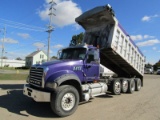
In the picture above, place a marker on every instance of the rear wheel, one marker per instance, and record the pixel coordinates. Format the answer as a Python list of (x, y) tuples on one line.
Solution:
[(116, 87), (131, 86), (65, 100), (138, 84), (124, 85)]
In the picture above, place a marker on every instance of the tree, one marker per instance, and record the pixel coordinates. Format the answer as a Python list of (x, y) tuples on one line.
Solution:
[(156, 65), (54, 57), (18, 58), (76, 39), (4, 57), (148, 65)]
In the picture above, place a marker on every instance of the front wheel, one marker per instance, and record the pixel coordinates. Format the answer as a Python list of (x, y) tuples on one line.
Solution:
[(65, 100)]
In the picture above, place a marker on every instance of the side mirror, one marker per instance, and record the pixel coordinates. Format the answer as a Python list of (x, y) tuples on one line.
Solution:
[(59, 54)]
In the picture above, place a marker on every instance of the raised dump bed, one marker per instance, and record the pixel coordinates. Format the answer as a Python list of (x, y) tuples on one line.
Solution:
[(118, 51)]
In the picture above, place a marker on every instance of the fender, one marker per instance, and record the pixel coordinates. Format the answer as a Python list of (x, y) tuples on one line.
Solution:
[(67, 77), (62, 76), (58, 78)]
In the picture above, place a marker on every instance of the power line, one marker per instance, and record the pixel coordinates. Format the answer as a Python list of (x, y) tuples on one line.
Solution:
[(34, 39), (21, 24), (23, 28)]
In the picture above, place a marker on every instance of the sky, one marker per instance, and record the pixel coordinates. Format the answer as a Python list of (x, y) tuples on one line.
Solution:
[(26, 22)]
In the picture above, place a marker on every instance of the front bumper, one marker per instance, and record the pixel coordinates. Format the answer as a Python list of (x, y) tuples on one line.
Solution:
[(37, 95)]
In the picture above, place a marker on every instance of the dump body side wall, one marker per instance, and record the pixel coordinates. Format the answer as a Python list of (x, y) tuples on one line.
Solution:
[(124, 52)]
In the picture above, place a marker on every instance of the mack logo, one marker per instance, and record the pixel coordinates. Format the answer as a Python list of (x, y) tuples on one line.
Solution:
[(77, 68), (36, 68)]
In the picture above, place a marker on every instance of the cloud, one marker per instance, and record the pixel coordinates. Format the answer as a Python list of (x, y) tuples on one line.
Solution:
[(66, 12), (58, 46), (154, 48), (10, 41), (39, 45), (24, 35), (148, 43), (148, 18), (141, 37), (136, 37), (148, 37)]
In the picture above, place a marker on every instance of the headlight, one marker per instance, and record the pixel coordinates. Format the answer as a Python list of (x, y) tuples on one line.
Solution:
[(45, 71), (27, 80), (51, 85)]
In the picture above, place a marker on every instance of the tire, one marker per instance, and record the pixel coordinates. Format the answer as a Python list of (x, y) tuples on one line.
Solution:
[(65, 100), (131, 86), (124, 85), (116, 87), (138, 84)]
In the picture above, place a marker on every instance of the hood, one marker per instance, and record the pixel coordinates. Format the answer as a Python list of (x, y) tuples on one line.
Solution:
[(59, 63), (59, 67), (96, 17), (52, 62)]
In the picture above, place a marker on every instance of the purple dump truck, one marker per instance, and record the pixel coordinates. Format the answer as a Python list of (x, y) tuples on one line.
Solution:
[(75, 76)]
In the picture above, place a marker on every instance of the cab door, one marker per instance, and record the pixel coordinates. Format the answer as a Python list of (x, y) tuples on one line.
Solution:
[(92, 63)]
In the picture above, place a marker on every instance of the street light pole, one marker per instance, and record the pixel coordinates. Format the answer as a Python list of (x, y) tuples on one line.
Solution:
[(50, 27), (4, 34)]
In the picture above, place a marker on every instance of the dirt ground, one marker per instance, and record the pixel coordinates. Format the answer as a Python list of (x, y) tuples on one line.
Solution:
[(142, 105)]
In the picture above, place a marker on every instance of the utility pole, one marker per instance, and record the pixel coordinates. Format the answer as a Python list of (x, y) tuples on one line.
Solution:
[(4, 34), (50, 27)]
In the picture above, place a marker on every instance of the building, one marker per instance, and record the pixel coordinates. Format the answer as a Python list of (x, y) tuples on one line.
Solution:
[(36, 57), (12, 63)]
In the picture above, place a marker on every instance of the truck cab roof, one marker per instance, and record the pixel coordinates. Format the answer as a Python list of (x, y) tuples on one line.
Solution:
[(81, 46)]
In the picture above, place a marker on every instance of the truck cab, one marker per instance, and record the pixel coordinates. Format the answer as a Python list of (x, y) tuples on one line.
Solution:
[(80, 61), (88, 61)]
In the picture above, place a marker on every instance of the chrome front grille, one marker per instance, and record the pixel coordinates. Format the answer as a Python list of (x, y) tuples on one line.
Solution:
[(36, 76)]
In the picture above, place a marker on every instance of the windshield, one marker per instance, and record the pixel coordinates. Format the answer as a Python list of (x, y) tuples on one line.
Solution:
[(73, 53)]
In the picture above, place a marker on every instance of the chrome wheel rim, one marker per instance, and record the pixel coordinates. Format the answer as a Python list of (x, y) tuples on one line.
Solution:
[(68, 101), (125, 85), (139, 84), (132, 85), (117, 86)]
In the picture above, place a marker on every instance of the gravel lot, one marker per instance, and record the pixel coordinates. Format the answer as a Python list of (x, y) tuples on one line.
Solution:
[(142, 105)]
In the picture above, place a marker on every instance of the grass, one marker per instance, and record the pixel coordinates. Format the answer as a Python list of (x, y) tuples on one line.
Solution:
[(12, 68), (13, 76)]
